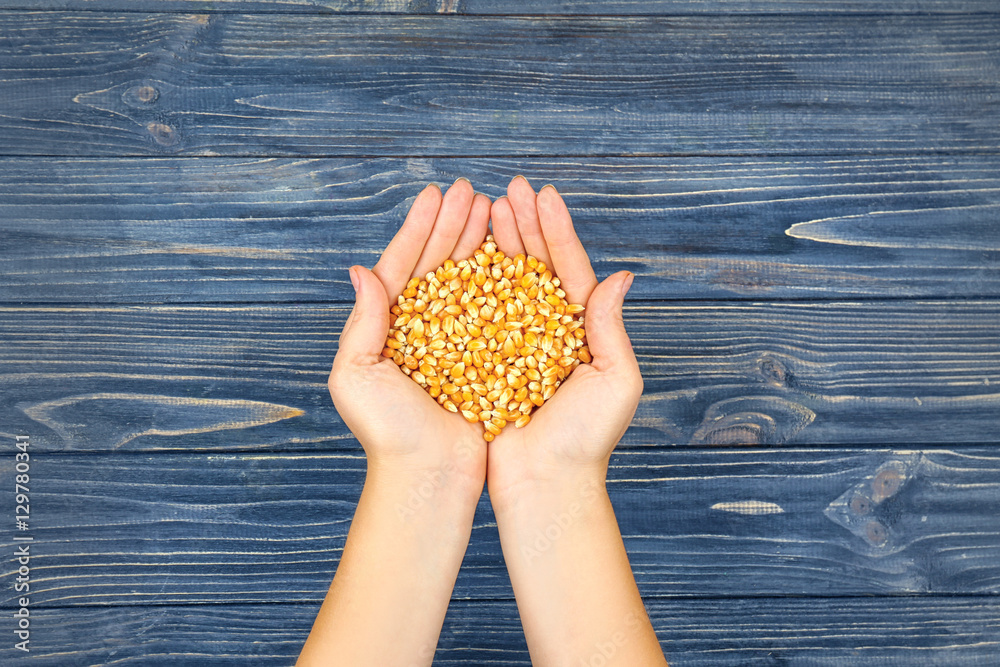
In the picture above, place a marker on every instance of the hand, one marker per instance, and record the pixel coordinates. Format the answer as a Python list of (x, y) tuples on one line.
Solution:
[(403, 430), (426, 466), (575, 431), (561, 542)]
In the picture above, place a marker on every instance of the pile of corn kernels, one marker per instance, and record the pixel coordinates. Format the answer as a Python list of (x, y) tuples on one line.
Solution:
[(491, 336)]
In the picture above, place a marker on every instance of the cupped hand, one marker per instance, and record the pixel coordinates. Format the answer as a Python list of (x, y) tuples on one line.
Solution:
[(575, 431), (402, 429)]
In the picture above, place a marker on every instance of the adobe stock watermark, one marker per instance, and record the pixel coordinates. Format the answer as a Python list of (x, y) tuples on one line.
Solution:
[(605, 650), (544, 538), (421, 493), (22, 554)]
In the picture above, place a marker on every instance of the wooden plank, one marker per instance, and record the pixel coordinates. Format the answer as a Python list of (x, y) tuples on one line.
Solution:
[(113, 529), (79, 84), (176, 229), (254, 378), (516, 7), (844, 632)]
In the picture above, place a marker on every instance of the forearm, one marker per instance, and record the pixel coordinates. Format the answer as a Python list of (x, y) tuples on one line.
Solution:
[(388, 599), (572, 580)]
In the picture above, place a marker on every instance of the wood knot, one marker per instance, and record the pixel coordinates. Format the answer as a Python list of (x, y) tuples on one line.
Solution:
[(741, 428), (861, 505), (147, 94), (752, 420), (866, 510), (774, 371), (140, 96), (163, 134), (876, 533), (886, 483)]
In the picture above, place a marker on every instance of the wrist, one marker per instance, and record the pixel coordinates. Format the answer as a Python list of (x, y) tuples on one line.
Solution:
[(439, 486), (571, 489)]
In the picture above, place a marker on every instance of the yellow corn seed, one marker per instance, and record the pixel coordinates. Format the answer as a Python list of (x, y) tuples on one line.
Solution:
[(505, 396), (491, 336)]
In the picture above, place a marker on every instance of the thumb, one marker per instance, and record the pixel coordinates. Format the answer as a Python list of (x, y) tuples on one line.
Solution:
[(606, 337), (364, 334)]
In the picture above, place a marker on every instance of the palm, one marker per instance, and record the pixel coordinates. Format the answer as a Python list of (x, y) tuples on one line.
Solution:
[(576, 424), (391, 415), (402, 417)]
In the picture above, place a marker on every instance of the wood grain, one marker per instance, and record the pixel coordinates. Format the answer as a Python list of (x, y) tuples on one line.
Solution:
[(210, 230), (891, 632), (254, 378), (516, 7), (142, 529), (88, 84), (827, 428)]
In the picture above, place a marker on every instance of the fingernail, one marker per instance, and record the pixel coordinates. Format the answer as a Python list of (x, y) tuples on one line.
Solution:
[(354, 279), (521, 176), (627, 283), (463, 178), (549, 185)]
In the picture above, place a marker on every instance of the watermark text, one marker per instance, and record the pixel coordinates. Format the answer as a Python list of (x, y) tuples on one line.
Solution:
[(22, 542)]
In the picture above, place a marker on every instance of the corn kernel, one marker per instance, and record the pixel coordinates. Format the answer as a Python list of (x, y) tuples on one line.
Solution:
[(490, 337)]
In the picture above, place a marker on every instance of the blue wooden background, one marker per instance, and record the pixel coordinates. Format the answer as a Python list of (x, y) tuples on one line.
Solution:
[(807, 191)]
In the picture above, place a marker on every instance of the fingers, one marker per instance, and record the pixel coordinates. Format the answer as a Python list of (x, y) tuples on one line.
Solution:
[(609, 344), (363, 337), (540, 225), (475, 229), (569, 260), (505, 228), (448, 227), (523, 202), (400, 257)]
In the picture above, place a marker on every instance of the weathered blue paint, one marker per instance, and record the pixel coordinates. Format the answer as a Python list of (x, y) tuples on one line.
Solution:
[(285, 84), (806, 190)]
